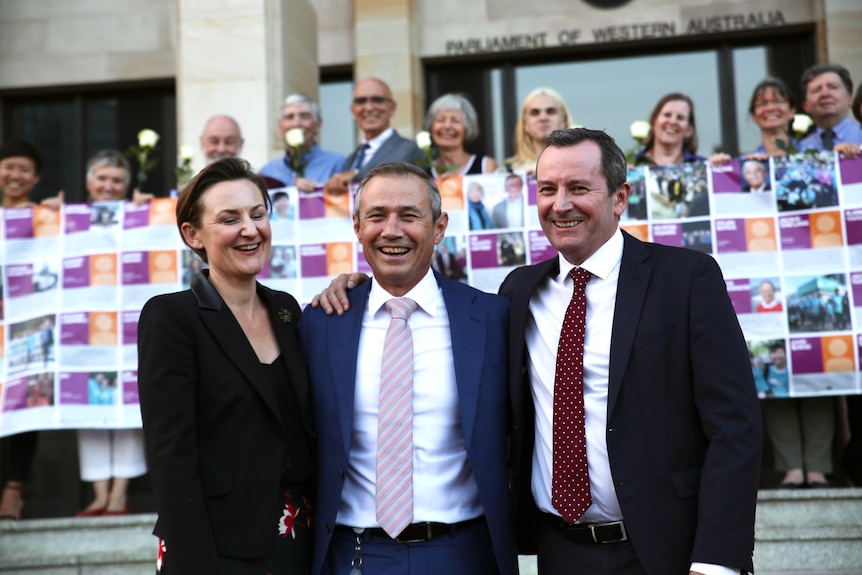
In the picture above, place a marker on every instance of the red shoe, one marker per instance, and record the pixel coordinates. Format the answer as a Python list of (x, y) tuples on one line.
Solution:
[(123, 511), (90, 512)]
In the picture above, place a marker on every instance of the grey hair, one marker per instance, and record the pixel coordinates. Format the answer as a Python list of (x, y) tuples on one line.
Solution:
[(403, 170), (297, 98), (449, 102), (111, 158)]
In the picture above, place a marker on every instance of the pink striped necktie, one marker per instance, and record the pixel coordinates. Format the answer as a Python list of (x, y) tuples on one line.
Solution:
[(570, 483), (395, 422)]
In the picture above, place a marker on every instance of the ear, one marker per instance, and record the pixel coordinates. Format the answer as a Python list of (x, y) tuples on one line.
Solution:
[(356, 226), (440, 227), (621, 199), (191, 236)]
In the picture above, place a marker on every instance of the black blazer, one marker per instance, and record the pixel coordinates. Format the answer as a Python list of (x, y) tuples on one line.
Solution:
[(684, 427), (212, 426), (394, 149)]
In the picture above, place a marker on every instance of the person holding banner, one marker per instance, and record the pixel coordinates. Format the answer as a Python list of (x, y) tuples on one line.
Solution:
[(224, 394), (452, 120), (542, 112), (828, 93), (672, 138)]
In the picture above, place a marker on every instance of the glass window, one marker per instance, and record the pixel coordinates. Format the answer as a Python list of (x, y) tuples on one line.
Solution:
[(338, 133)]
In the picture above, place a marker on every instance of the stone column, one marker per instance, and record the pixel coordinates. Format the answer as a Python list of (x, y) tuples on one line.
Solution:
[(240, 58), (387, 47)]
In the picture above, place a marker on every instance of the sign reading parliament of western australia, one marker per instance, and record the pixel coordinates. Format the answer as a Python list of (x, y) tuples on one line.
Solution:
[(614, 33)]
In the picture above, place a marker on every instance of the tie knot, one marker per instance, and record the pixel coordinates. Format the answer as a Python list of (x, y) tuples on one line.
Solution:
[(828, 138), (580, 276), (400, 307)]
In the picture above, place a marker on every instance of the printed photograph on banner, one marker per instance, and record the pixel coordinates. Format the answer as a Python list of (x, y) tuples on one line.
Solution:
[(759, 305), (31, 344), (805, 182), (817, 303), (283, 216), (678, 191), (769, 367), (152, 224), (637, 206), (493, 255), (192, 266), (696, 235), (640, 231), (30, 233), (88, 338), (450, 258), (31, 287), (324, 216), (107, 214), (745, 235), (319, 263), (88, 388), (29, 391), (850, 176), (497, 202), (452, 196), (816, 230), (742, 186), (822, 365)]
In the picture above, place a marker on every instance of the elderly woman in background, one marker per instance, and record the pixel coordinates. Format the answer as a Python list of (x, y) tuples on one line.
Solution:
[(672, 137), (109, 457), (452, 121), (542, 112), (224, 394)]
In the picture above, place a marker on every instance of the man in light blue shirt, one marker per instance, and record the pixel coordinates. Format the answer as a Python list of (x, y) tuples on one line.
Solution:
[(828, 93), (301, 111)]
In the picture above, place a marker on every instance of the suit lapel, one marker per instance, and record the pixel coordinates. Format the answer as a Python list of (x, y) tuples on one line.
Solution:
[(467, 328), (342, 337), (382, 154), (635, 272)]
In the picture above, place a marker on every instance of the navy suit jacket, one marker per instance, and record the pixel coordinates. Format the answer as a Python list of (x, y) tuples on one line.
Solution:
[(478, 325), (394, 149), (212, 424), (684, 425)]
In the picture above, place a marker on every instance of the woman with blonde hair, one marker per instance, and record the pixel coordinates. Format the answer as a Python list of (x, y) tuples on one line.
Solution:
[(542, 112)]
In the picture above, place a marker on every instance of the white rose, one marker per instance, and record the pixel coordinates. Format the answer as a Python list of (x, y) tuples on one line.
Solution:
[(639, 130), (187, 153), (294, 137), (423, 140), (147, 139), (802, 123)]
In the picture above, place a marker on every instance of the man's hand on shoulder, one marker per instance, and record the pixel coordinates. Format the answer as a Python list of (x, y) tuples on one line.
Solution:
[(334, 298)]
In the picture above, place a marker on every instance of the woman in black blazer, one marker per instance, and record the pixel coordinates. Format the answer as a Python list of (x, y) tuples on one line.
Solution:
[(224, 395)]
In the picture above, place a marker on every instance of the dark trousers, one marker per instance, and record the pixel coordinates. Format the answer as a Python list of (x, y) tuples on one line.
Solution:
[(560, 556), (466, 552)]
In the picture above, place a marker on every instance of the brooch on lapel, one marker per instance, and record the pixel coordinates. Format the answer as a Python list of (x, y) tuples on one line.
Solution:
[(285, 316)]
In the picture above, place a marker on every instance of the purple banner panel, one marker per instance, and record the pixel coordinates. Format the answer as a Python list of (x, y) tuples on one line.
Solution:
[(77, 218), (130, 327), (362, 264), (540, 248), (75, 328), (312, 205), (856, 286), (73, 388), (806, 355), (312, 260), (130, 387), (16, 394), (136, 268), (851, 170), (795, 232), (18, 223), (136, 216), (740, 295), (483, 251), (730, 236), (76, 272), (726, 178), (853, 223), (532, 190), (19, 279), (667, 234)]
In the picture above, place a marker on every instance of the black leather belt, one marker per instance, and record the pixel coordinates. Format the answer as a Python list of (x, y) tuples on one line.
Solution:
[(419, 532), (611, 532)]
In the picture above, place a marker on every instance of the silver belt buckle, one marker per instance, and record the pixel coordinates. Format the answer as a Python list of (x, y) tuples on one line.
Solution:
[(420, 540), (623, 535)]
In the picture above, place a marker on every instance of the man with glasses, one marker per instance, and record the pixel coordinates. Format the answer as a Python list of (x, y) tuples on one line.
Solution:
[(372, 108)]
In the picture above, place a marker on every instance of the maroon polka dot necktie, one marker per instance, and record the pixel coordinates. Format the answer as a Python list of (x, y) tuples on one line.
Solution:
[(570, 486)]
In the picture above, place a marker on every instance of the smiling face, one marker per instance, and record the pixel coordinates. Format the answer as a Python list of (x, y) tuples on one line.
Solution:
[(767, 292), (779, 357), (672, 125), (221, 139), (772, 111), (396, 228), (372, 107), (18, 176), (827, 100), (299, 115), (576, 212), (234, 231), (447, 129), (542, 115), (107, 184), (754, 174)]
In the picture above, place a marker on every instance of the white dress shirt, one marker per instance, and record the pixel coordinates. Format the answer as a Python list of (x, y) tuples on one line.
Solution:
[(444, 489), (547, 310)]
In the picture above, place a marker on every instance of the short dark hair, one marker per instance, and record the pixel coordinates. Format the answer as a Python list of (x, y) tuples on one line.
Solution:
[(20, 148), (515, 177), (776, 346), (614, 167), (819, 69), (189, 206), (690, 143), (775, 84), (278, 195), (403, 170)]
